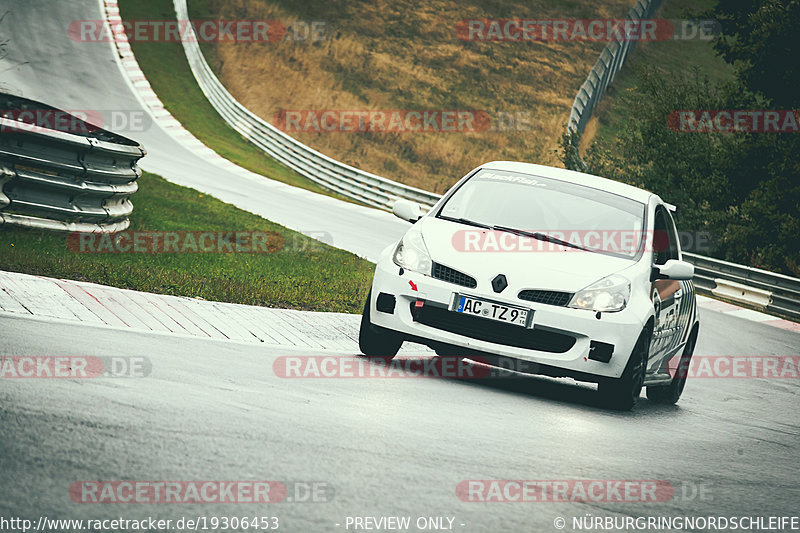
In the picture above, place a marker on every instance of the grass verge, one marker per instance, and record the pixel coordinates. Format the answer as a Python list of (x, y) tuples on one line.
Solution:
[(304, 274), (408, 56), (167, 70)]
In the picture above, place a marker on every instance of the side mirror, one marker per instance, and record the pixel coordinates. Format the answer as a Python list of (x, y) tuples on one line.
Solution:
[(407, 210), (673, 269)]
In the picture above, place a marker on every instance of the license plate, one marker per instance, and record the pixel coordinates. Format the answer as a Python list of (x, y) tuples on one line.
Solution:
[(492, 310)]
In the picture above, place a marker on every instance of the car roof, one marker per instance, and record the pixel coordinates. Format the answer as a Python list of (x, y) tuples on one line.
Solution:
[(595, 182)]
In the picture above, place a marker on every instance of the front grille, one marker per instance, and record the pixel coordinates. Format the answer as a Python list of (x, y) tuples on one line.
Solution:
[(546, 297), (452, 275), (491, 331)]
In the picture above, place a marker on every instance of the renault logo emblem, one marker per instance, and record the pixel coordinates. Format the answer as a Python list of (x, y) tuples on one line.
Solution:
[(499, 283)]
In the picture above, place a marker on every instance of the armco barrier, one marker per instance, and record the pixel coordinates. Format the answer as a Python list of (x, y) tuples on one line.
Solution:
[(731, 290), (760, 289), (63, 180), (335, 176), (605, 70)]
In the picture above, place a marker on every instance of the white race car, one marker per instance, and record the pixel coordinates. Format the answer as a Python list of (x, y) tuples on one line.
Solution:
[(571, 274)]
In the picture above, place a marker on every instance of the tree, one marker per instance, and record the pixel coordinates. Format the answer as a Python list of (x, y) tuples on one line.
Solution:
[(760, 38), (743, 188)]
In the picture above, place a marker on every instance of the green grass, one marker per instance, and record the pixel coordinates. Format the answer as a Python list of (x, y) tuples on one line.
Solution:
[(672, 58), (304, 274), (166, 68)]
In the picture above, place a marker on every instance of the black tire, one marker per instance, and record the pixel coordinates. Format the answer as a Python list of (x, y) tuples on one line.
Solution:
[(670, 394), (622, 393), (375, 341)]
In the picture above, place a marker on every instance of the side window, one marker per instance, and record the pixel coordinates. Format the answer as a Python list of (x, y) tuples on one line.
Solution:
[(673, 237), (665, 239)]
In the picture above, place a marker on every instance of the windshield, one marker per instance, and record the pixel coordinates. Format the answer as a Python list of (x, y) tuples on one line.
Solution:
[(588, 219)]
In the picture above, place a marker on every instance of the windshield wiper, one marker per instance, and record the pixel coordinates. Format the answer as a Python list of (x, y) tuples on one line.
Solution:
[(467, 221), (539, 236)]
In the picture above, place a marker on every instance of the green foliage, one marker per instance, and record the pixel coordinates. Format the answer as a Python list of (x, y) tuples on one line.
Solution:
[(760, 38), (743, 188)]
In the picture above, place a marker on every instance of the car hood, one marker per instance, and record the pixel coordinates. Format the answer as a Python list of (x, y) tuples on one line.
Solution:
[(562, 269)]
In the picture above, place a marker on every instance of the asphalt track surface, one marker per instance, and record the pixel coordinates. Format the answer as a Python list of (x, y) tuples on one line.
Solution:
[(216, 410)]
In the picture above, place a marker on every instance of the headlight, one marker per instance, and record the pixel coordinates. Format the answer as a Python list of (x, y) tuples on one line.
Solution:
[(608, 294), (412, 254)]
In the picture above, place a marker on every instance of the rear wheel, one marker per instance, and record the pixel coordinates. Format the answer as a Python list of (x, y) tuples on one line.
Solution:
[(375, 341), (670, 394), (622, 393)]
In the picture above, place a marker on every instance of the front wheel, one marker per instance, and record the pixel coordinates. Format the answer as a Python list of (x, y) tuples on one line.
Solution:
[(375, 341), (670, 394), (622, 393)]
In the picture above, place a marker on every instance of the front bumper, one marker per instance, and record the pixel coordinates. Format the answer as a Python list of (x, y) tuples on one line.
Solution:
[(551, 342)]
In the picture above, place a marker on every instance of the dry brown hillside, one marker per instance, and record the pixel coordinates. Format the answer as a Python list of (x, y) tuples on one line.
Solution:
[(406, 55)]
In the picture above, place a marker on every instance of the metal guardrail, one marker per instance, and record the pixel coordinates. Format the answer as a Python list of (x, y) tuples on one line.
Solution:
[(331, 174), (605, 70), (62, 180), (760, 289)]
